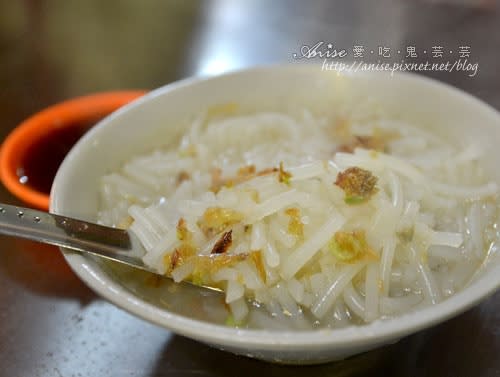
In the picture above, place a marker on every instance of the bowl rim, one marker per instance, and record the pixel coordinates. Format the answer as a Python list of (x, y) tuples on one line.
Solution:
[(42, 123), (375, 332)]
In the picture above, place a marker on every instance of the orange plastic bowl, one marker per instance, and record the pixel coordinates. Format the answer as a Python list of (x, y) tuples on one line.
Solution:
[(52, 121)]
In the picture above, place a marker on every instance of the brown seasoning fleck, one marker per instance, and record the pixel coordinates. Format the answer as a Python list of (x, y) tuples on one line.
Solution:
[(358, 184), (223, 244)]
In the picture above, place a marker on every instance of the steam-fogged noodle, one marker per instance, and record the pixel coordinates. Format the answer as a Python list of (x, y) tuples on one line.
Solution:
[(309, 220)]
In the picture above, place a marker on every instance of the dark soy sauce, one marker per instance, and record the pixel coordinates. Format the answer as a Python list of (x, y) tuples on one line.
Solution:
[(41, 161)]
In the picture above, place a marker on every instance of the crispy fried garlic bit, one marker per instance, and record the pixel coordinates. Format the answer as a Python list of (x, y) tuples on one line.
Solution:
[(204, 266), (351, 247), (295, 225), (178, 257), (223, 243), (188, 151), (283, 175), (182, 176), (358, 185), (185, 250), (378, 141), (244, 174), (183, 234), (217, 219), (207, 265)]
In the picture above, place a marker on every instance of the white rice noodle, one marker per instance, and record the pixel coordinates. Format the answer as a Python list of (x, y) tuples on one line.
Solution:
[(249, 276), (408, 144), (446, 239), (164, 245), (194, 208), (399, 305), (386, 261), (148, 231), (447, 253), (409, 216), (143, 177), (431, 158), (281, 235), (341, 314), (288, 304), (410, 130), (226, 273), (471, 152), (354, 301), (396, 192), (427, 282), (183, 271), (431, 237), (307, 300), (384, 223), (475, 229), (258, 237), (333, 291), (296, 289), (306, 171), (193, 136), (127, 189), (274, 204), (271, 255), (234, 291), (311, 246), (372, 288), (460, 192), (463, 273), (239, 309)]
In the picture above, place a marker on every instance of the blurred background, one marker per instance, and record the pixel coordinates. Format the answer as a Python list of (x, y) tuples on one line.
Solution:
[(52, 50)]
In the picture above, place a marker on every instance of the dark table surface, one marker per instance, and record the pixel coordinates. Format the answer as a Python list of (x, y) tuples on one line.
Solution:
[(51, 324)]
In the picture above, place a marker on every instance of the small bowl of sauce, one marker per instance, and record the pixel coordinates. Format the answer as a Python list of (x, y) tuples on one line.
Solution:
[(32, 153)]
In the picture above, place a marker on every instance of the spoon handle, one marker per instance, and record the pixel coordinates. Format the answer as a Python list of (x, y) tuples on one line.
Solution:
[(70, 233)]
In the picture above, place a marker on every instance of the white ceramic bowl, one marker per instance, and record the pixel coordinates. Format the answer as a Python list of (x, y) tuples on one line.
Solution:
[(154, 120)]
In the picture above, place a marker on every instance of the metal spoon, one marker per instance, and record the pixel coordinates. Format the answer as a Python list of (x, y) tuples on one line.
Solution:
[(115, 244)]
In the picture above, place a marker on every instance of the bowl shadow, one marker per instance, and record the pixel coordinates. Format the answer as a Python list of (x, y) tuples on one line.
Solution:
[(185, 357)]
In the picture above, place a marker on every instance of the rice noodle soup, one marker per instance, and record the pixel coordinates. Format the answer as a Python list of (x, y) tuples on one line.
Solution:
[(308, 220)]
